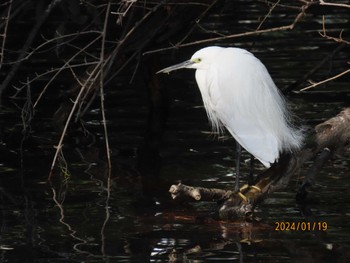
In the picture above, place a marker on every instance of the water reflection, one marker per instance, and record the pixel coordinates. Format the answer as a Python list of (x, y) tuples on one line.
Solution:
[(93, 216), (87, 219), (88, 215)]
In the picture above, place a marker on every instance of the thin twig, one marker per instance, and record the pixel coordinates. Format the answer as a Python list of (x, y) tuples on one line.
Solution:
[(75, 76), (55, 39), (256, 32), (7, 18), (336, 39), (198, 21), (77, 100), (269, 3), (123, 9), (326, 80), (268, 14), (111, 58), (334, 4), (27, 115), (307, 76), (176, 46), (17, 8), (102, 55), (48, 72), (64, 66), (27, 44)]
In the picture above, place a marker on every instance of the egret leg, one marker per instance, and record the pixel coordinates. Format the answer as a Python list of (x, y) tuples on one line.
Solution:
[(310, 177), (250, 178), (238, 159), (250, 175)]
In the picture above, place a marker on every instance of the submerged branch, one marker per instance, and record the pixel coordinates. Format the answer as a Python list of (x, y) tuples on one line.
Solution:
[(331, 137)]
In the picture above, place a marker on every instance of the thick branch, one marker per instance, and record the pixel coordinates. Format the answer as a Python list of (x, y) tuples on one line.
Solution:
[(331, 137), (198, 193)]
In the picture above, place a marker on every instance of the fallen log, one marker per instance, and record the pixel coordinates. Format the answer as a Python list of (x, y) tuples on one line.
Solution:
[(328, 139)]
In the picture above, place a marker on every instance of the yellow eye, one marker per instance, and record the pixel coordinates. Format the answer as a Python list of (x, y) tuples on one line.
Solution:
[(197, 60)]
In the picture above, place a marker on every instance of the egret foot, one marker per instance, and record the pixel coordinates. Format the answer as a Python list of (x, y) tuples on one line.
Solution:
[(244, 198), (244, 187)]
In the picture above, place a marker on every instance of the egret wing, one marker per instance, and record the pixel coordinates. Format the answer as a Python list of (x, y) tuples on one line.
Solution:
[(239, 96)]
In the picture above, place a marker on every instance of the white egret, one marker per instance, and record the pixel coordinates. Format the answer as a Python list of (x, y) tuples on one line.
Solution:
[(238, 93)]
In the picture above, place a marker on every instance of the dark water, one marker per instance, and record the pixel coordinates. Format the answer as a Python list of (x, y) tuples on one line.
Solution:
[(84, 217), (87, 215)]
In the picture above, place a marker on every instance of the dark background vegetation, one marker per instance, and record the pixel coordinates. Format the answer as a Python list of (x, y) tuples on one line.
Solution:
[(79, 95), (58, 57)]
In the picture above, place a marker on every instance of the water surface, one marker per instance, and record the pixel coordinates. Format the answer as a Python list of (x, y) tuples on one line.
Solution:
[(85, 214)]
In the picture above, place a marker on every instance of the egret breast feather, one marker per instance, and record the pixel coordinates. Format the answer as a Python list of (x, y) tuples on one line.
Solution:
[(238, 93)]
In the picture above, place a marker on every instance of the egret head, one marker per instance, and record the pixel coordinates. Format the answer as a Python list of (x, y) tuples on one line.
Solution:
[(200, 60)]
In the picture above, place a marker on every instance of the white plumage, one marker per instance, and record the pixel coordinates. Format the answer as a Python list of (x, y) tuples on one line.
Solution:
[(239, 94)]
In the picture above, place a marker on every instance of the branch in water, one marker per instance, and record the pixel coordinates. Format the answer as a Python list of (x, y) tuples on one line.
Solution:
[(331, 137)]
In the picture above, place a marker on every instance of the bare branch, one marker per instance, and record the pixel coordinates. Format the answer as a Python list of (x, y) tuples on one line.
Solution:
[(27, 44), (123, 9), (256, 32), (102, 56), (331, 137), (48, 41), (198, 21), (7, 19), (326, 80), (336, 39), (334, 4), (268, 14), (307, 76), (61, 69), (77, 99), (51, 71), (198, 193)]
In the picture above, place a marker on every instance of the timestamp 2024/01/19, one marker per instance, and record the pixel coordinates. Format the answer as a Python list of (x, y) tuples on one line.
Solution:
[(300, 226)]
